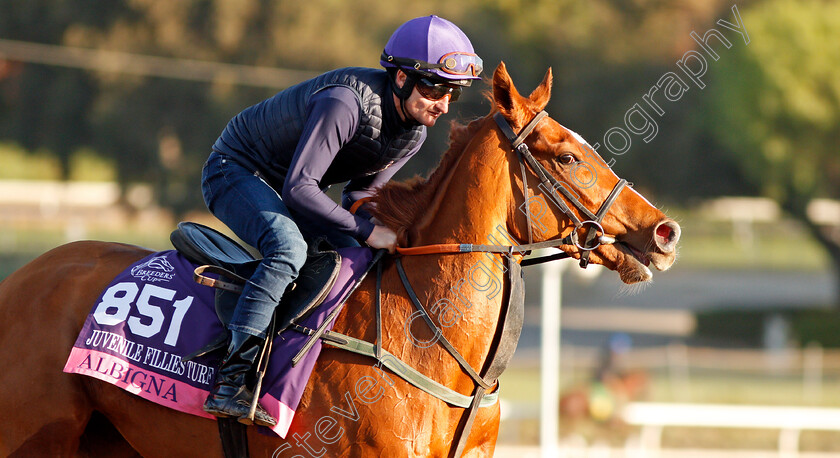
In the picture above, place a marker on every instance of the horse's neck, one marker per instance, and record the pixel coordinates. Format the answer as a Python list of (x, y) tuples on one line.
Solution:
[(471, 203), (470, 200)]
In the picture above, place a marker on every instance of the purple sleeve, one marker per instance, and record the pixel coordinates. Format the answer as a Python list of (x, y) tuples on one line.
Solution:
[(332, 117), (365, 186)]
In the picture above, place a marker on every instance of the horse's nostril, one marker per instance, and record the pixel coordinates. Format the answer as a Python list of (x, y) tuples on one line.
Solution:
[(665, 232), (667, 235)]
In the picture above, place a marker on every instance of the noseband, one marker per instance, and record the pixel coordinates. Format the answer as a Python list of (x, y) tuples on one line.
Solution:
[(551, 185)]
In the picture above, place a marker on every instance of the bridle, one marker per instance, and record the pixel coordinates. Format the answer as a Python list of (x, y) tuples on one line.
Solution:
[(551, 185), (595, 235)]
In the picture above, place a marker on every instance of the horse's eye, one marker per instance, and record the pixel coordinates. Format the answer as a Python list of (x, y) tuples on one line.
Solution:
[(566, 159)]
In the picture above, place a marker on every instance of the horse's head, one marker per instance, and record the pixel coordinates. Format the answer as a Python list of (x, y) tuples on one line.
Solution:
[(576, 177)]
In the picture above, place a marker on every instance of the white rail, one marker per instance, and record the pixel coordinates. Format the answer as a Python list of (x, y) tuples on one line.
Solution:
[(790, 421)]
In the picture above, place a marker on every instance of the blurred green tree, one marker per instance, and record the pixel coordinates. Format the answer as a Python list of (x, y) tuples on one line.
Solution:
[(777, 107)]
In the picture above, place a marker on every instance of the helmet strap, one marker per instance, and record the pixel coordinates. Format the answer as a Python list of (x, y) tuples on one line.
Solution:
[(403, 93)]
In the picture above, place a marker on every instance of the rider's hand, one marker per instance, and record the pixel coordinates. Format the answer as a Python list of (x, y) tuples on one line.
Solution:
[(382, 237)]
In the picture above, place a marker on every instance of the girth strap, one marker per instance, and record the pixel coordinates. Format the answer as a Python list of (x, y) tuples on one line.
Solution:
[(234, 438)]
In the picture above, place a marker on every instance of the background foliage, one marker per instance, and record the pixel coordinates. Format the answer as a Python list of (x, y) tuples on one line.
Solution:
[(777, 110)]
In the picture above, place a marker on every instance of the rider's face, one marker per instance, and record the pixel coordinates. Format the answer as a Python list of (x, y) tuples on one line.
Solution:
[(423, 110)]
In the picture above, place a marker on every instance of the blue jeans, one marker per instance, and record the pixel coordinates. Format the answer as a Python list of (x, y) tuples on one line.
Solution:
[(257, 215)]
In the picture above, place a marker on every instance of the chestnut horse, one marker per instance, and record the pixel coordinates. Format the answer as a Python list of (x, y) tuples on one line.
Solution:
[(351, 406)]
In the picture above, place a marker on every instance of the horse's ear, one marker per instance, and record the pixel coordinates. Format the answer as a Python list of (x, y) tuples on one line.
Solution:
[(507, 98), (542, 93)]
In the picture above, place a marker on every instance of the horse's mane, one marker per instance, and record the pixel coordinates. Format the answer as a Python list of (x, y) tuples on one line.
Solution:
[(399, 204)]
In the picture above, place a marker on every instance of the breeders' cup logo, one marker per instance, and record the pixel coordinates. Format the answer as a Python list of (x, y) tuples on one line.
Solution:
[(154, 270)]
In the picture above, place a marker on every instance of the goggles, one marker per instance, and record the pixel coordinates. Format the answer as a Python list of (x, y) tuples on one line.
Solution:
[(437, 91), (461, 63), (454, 63)]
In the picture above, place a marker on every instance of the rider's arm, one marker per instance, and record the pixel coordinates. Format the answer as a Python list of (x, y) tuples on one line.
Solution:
[(365, 186), (332, 118)]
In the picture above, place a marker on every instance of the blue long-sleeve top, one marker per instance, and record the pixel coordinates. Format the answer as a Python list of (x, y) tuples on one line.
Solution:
[(342, 126), (332, 117)]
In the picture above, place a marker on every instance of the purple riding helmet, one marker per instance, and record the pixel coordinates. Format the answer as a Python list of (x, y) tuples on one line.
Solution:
[(431, 50)]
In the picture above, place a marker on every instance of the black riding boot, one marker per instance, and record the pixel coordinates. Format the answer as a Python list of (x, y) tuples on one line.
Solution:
[(231, 396)]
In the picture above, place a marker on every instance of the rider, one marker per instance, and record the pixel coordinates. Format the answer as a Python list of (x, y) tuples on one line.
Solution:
[(269, 169)]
